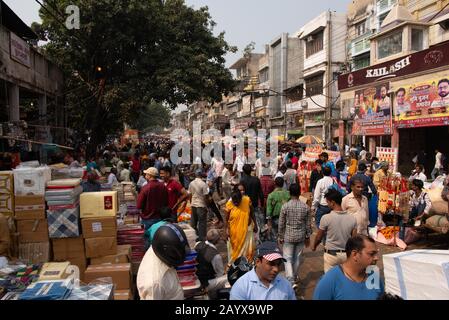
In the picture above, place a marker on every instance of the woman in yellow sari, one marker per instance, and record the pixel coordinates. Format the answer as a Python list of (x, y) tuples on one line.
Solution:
[(353, 165), (240, 225)]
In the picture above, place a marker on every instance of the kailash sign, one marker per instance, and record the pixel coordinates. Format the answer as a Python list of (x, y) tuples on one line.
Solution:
[(20, 50), (432, 58)]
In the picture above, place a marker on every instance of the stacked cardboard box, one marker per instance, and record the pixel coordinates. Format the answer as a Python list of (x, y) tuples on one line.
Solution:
[(7, 193), (71, 250), (100, 234), (119, 273), (29, 213), (132, 234), (32, 228), (62, 198)]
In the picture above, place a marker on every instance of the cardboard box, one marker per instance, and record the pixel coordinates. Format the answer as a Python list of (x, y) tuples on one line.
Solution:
[(120, 274), (54, 271), (6, 182), (34, 253), (100, 247), (29, 207), (98, 204), (417, 274), (99, 227), (32, 231), (31, 180), (66, 248), (123, 256), (123, 295), (7, 204)]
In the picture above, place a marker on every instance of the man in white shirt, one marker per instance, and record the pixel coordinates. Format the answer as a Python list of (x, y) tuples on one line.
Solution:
[(239, 162), (418, 173), (157, 278), (356, 204), (112, 178), (217, 164), (226, 182), (125, 174), (319, 204), (438, 164), (281, 173), (198, 190)]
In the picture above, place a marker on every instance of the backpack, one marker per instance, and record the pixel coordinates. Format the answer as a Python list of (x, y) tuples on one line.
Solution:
[(336, 186)]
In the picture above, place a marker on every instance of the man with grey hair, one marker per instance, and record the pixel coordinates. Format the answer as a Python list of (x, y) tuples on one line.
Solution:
[(210, 270)]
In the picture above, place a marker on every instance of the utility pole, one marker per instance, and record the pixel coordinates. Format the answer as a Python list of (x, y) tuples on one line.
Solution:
[(328, 90)]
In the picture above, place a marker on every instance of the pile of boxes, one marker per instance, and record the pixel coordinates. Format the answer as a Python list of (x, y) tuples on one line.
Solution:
[(7, 193), (107, 259), (63, 215), (29, 213), (57, 222)]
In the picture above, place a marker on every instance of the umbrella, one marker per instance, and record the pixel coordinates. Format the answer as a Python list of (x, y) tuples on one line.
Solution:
[(309, 140)]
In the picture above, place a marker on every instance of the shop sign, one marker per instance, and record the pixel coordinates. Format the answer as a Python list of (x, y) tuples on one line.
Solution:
[(20, 50), (432, 58), (294, 106), (372, 112), (423, 104)]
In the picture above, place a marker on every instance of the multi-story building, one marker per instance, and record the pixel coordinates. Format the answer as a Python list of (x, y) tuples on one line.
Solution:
[(247, 74), (401, 99), (324, 57), (32, 86), (285, 80)]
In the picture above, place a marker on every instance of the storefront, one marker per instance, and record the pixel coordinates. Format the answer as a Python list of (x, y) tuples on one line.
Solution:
[(295, 125), (403, 103)]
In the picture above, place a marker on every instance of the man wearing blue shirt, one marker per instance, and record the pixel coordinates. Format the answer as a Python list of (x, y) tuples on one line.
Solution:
[(324, 156), (264, 281), (351, 280)]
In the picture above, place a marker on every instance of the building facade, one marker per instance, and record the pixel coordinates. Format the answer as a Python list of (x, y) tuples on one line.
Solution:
[(403, 96), (324, 41), (32, 86)]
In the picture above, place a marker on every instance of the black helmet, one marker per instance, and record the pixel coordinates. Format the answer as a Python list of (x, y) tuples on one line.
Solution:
[(170, 244), (238, 269)]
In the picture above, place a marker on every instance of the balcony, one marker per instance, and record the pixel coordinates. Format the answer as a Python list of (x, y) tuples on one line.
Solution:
[(361, 45)]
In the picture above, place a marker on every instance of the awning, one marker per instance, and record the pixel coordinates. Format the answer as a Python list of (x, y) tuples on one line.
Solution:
[(295, 132), (313, 28)]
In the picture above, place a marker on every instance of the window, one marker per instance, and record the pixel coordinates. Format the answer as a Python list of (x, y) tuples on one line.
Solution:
[(361, 63), (389, 45), (417, 39), (360, 28), (382, 18), (264, 75), (314, 85), (314, 43)]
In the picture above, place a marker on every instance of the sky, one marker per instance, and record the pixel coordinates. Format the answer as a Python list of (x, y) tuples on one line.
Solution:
[(243, 21)]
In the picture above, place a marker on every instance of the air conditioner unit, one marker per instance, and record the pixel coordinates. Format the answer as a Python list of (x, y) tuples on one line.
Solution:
[(304, 104), (310, 38)]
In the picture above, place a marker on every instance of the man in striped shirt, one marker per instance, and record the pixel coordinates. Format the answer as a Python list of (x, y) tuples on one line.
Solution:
[(294, 232)]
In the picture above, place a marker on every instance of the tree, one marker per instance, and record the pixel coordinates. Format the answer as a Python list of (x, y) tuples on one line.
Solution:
[(154, 117), (148, 51)]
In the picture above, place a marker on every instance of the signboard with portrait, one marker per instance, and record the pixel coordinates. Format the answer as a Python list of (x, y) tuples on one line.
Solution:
[(423, 104), (372, 112)]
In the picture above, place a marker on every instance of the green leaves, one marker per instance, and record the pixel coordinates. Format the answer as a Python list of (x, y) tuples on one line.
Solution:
[(153, 53)]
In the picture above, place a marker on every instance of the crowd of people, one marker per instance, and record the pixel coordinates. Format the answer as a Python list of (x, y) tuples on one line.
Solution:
[(258, 210)]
